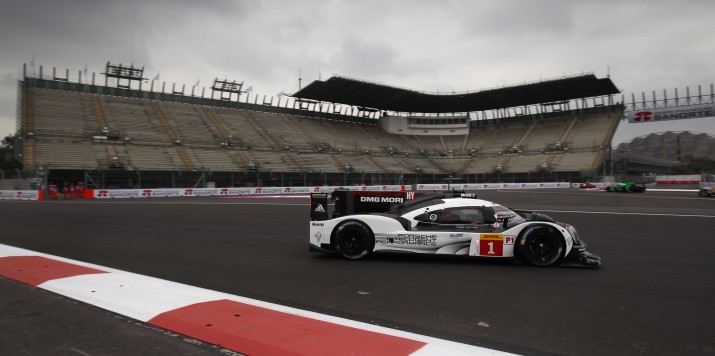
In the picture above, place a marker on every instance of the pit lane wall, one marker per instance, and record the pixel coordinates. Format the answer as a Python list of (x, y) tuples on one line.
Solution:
[(264, 191)]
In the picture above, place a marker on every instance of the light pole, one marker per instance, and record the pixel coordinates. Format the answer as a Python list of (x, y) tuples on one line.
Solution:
[(346, 172)]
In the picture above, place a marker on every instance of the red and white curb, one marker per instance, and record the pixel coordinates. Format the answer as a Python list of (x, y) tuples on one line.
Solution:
[(240, 324)]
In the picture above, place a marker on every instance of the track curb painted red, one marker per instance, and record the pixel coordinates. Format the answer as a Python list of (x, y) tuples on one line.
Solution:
[(236, 323)]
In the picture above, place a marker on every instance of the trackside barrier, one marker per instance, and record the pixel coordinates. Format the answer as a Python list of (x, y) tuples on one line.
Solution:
[(486, 186), (208, 192), (679, 179), (21, 194)]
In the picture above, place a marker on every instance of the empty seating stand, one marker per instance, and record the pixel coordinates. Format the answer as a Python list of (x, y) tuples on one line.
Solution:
[(167, 136)]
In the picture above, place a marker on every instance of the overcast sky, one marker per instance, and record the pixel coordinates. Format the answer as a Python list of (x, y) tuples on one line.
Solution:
[(424, 45)]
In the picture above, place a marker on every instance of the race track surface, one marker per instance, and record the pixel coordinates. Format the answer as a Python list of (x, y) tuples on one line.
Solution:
[(653, 296)]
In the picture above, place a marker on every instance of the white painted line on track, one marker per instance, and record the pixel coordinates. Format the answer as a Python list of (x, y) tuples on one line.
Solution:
[(623, 213)]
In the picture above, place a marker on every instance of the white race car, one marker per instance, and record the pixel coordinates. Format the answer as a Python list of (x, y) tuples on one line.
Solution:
[(450, 223)]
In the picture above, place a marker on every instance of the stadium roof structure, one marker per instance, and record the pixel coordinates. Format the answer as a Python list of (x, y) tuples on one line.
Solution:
[(382, 97)]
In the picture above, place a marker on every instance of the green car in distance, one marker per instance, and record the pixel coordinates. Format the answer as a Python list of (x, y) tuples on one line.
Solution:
[(627, 187)]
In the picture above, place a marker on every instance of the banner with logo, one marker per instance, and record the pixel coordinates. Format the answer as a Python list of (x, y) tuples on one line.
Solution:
[(20, 194), (209, 192), (267, 191), (485, 186), (673, 113)]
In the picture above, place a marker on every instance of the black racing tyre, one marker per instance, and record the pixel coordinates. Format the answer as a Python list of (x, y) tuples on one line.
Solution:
[(609, 189), (704, 193), (353, 240), (540, 245)]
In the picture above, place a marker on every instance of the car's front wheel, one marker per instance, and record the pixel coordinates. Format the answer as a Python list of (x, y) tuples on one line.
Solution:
[(540, 245), (353, 240), (704, 192)]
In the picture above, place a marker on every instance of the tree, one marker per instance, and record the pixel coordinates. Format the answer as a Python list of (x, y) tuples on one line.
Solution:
[(6, 153), (8, 142)]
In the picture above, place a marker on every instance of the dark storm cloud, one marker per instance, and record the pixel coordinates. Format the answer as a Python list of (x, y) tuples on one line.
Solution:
[(7, 80), (108, 29), (448, 45), (371, 59), (516, 18), (82, 20)]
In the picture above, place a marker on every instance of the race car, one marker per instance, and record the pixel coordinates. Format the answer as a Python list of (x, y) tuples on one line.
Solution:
[(628, 187), (451, 223), (707, 191)]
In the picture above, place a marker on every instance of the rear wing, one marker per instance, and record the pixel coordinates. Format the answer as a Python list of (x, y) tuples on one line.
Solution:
[(318, 206), (350, 202)]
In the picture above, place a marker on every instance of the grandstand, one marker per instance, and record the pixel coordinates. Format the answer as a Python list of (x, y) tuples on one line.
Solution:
[(123, 137)]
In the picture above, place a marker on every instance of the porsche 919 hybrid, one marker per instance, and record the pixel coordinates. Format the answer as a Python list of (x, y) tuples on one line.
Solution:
[(363, 223)]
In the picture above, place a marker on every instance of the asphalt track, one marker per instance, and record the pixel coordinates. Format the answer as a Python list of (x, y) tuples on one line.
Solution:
[(654, 294)]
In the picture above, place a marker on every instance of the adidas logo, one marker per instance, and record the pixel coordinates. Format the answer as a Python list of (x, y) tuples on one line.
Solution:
[(320, 209)]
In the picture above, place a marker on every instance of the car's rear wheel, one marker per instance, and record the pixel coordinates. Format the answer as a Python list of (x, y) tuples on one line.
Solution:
[(704, 193), (540, 245), (353, 240)]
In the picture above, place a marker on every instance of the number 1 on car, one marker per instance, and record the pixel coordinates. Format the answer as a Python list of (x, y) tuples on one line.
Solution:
[(491, 245)]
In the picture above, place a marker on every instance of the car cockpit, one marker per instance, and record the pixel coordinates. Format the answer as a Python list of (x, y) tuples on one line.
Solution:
[(458, 218)]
